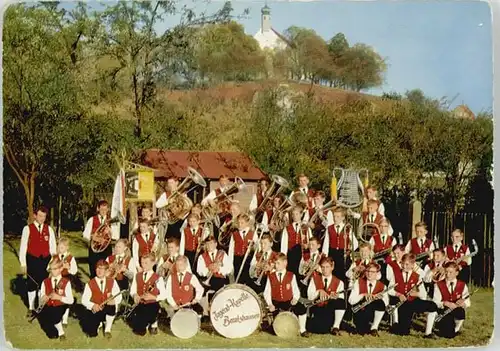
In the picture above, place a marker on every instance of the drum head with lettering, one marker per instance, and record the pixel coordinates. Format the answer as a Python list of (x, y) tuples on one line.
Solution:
[(185, 323), (235, 311)]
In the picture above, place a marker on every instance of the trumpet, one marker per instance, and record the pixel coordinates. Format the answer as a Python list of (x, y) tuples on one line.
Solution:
[(359, 272), (262, 263), (359, 307), (320, 212), (165, 272), (392, 309), (210, 274), (210, 212), (310, 269)]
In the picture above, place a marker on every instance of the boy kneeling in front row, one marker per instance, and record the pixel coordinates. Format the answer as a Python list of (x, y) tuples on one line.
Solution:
[(282, 293)]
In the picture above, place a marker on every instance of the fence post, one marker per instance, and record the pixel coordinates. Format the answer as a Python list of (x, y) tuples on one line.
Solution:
[(416, 215)]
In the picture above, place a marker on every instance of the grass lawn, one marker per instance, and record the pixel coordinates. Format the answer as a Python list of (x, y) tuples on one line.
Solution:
[(477, 329)]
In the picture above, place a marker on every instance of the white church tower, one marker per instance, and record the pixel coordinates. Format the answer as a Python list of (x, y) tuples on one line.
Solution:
[(267, 37)]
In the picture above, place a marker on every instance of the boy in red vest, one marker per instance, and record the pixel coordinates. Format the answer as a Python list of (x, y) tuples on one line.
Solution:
[(413, 295), (383, 242), (192, 237), (57, 296), (173, 229), (166, 265), (257, 199), (369, 289), (147, 290), (69, 266), (215, 264), (339, 242), (262, 262), (196, 209), (183, 288), (456, 251), (282, 293), (143, 243), (147, 214), (241, 239), (371, 194), (38, 244), (294, 240), (421, 244), (96, 292), (311, 258), (359, 266), (327, 315), (324, 218), (224, 184), (437, 263), (304, 189), (271, 227), (451, 293), (123, 260)]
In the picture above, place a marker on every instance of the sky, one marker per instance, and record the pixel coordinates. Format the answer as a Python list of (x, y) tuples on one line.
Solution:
[(443, 48)]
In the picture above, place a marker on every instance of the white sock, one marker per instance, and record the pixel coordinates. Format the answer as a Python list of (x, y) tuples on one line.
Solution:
[(154, 324), (109, 323), (59, 328), (65, 316), (395, 316), (100, 326), (302, 323), (31, 299), (431, 317), (458, 325), (339, 314), (204, 304), (377, 319)]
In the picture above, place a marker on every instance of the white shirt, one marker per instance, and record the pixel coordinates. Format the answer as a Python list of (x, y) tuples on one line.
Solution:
[(266, 255), (253, 203), (211, 195), (267, 289), (303, 264), (160, 285), (73, 268), (350, 271), (161, 261), (438, 297), (422, 294), (135, 247), (68, 299), (313, 292), (182, 245), (162, 201), (428, 274), (225, 269), (355, 296), (243, 233), (325, 248), (87, 293), (131, 264), (284, 236), (383, 238), (23, 250), (419, 242), (87, 232), (194, 282)]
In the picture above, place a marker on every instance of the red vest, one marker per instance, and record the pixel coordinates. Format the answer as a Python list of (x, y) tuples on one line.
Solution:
[(126, 262), (144, 287), (367, 218), (269, 213), (145, 247), (97, 296), (67, 259), (306, 255), (445, 293), (260, 198), (184, 292), (320, 285), (337, 240), (283, 291), (95, 223), (310, 196), (363, 287), (395, 266), (166, 257), (359, 261), (38, 243), (379, 245), (415, 246), (61, 290), (452, 255), (240, 244), (191, 241), (432, 264), (219, 257), (403, 288), (293, 236)]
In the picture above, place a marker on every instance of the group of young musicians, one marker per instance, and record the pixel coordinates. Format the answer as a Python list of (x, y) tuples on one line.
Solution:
[(303, 260)]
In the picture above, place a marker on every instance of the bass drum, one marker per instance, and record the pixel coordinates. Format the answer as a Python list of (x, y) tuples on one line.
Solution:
[(286, 325), (236, 311), (185, 323)]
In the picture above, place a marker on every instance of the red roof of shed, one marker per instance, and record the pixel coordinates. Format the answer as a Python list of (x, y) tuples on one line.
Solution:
[(209, 164)]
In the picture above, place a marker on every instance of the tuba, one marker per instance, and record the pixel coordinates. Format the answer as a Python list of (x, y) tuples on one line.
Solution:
[(210, 212), (179, 204), (367, 230), (277, 186), (279, 216), (101, 238)]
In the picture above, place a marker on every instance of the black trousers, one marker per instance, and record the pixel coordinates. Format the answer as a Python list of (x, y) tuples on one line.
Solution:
[(190, 256), (174, 230), (322, 317), (446, 325), (245, 272), (464, 274), (143, 315), (364, 317), (408, 309), (258, 288), (383, 273), (339, 270), (215, 284), (36, 267), (95, 257), (277, 241), (294, 255), (298, 309), (49, 317), (92, 320)]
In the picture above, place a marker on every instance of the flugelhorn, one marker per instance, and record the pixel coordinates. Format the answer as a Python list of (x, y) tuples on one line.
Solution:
[(310, 269), (210, 274)]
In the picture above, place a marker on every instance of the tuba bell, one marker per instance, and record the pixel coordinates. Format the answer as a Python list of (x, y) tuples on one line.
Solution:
[(101, 238), (367, 230), (277, 186), (179, 204), (209, 212)]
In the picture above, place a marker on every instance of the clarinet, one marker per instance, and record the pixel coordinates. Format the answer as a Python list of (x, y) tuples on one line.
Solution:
[(367, 302), (148, 290), (42, 305), (448, 310), (109, 299), (392, 309)]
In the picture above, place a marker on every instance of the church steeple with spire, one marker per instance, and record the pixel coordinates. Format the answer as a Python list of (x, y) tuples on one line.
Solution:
[(267, 36), (265, 24)]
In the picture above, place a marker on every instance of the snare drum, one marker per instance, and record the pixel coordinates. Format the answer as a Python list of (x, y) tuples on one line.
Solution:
[(236, 311), (286, 325), (185, 323)]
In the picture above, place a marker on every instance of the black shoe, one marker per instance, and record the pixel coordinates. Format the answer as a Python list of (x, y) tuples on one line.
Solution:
[(335, 331), (430, 336), (374, 332), (30, 314), (62, 337), (107, 335), (140, 332), (305, 334), (153, 331)]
